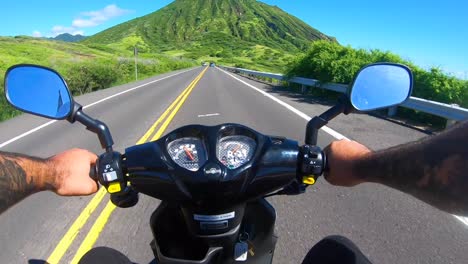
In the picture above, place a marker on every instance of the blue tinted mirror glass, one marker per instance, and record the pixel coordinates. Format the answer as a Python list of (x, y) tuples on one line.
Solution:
[(381, 85), (39, 91)]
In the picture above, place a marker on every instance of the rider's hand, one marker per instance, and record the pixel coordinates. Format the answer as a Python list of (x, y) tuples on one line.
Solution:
[(341, 156), (71, 173)]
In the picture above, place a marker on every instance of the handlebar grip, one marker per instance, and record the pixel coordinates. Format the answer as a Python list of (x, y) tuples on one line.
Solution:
[(93, 172), (325, 164), (314, 162)]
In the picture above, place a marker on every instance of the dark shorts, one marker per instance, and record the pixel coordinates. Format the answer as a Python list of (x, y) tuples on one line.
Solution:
[(330, 250)]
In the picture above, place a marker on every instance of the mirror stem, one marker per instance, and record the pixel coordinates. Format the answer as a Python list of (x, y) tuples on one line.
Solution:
[(93, 125), (312, 130), (343, 106)]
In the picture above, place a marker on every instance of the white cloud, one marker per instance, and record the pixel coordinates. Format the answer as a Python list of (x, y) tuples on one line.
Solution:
[(95, 18), (81, 23), (57, 30), (37, 34), (89, 19)]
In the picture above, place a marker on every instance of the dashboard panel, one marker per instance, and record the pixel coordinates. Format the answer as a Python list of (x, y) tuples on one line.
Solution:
[(209, 164)]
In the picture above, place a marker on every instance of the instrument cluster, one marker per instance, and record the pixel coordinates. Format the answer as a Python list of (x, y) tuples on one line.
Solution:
[(232, 151)]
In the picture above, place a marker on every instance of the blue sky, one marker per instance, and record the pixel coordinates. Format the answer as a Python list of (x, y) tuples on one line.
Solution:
[(429, 33)]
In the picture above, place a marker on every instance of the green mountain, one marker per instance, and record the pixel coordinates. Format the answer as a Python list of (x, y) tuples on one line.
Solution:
[(245, 32), (69, 37)]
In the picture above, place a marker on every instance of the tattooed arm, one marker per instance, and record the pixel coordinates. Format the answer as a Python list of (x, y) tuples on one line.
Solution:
[(65, 174), (434, 169)]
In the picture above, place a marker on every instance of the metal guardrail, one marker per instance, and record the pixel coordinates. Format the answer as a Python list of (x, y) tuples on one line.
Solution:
[(450, 112)]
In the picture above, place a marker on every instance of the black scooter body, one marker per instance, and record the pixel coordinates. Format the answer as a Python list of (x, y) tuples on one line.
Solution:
[(218, 205), (174, 243)]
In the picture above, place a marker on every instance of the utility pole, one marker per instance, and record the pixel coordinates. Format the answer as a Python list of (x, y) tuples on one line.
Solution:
[(135, 52)]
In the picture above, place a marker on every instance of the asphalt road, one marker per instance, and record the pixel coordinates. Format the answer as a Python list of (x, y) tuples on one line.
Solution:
[(389, 226)]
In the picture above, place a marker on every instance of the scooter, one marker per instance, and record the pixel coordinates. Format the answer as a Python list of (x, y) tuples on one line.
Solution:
[(212, 180)]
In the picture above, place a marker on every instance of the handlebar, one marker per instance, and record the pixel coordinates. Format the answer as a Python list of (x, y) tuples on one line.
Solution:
[(276, 163)]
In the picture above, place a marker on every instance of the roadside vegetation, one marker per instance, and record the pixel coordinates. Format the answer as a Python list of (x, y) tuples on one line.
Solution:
[(248, 33), (85, 68), (330, 62), (88, 67)]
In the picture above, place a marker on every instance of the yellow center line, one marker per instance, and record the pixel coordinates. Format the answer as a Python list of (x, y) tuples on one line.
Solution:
[(75, 228), (101, 221), (81, 220), (150, 131), (169, 119)]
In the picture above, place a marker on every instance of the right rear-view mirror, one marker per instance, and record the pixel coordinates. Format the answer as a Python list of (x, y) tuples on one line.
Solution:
[(381, 85)]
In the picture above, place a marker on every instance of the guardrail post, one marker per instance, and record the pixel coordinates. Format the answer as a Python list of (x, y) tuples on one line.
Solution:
[(303, 89), (392, 111), (451, 122)]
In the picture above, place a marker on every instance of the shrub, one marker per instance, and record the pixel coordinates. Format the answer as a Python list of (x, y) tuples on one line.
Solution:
[(90, 76), (331, 62)]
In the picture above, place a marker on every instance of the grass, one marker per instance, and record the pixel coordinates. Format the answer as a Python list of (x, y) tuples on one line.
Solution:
[(86, 68)]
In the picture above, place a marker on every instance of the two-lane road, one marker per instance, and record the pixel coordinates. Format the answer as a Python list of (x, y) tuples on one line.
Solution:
[(390, 227)]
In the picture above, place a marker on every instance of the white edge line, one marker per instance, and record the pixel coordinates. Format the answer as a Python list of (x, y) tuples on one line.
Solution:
[(288, 106), (27, 133), (84, 107), (134, 88), (462, 219), (307, 118)]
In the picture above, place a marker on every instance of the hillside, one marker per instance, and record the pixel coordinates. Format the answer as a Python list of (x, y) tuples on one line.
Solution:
[(85, 68), (233, 31)]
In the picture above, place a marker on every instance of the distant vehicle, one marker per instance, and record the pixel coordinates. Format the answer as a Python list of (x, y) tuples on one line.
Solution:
[(212, 64)]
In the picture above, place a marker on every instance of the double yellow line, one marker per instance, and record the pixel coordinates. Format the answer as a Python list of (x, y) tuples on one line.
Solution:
[(102, 219)]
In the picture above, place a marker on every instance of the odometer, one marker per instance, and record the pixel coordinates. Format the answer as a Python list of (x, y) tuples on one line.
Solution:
[(235, 151)]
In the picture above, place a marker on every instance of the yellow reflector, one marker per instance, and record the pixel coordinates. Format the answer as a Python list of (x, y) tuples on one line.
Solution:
[(309, 180), (114, 187)]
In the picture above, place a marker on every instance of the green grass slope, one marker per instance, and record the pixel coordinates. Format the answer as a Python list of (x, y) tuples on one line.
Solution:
[(85, 68), (239, 32)]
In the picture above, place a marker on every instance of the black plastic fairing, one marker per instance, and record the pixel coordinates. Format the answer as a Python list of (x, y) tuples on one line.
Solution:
[(276, 168), (175, 243), (153, 172)]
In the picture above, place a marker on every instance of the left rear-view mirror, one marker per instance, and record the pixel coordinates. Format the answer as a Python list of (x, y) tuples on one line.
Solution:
[(39, 91)]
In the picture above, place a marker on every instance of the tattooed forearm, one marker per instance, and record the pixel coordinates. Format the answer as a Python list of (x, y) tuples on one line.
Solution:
[(20, 176), (434, 169)]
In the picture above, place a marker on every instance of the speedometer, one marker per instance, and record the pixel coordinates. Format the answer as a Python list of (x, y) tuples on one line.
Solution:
[(188, 153), (235, 151)]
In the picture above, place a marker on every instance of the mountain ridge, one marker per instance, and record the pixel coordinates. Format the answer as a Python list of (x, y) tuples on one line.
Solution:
[(240, 30), (67, 37)]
